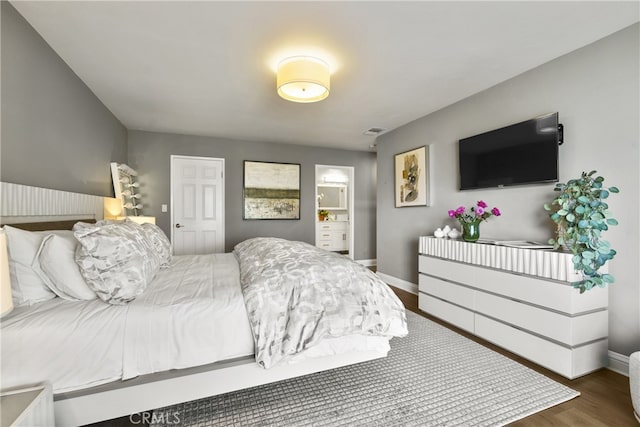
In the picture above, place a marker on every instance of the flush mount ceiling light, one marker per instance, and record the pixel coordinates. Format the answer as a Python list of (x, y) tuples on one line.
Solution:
[(303, 79)]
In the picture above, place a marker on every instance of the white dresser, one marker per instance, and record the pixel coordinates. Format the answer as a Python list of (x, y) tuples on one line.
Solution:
[(519, 299), (332, 235)]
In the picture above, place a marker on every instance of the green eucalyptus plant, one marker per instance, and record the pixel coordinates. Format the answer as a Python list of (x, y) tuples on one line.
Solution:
[(582, 215)]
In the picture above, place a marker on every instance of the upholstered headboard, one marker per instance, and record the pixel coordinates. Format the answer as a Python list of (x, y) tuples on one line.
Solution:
[(38, 208)]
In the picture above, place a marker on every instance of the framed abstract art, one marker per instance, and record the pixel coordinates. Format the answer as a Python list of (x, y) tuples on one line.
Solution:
[(412, 178), (271, 190)]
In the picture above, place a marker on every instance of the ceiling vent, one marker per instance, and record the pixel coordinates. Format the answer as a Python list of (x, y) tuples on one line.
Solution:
[(374, 131)]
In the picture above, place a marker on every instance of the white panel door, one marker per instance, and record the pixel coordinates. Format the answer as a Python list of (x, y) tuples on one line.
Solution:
[(197, 195)]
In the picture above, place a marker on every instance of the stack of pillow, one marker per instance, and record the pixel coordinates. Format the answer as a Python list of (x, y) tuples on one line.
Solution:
[(111, 260)]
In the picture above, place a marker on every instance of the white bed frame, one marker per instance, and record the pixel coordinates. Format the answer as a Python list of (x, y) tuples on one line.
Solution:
[(20, 204), (153, 391)]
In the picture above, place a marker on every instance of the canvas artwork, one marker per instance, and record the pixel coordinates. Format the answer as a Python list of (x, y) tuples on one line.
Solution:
[(412, 178), (271, 190)]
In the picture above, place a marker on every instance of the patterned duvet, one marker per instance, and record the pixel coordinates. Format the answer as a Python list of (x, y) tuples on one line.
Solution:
[(297, 294)]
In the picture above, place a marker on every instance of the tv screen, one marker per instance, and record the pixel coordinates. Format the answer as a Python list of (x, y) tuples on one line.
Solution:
[(523, 153)]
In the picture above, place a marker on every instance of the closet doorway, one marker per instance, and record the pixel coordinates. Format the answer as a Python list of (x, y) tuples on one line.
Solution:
[(335, 208)]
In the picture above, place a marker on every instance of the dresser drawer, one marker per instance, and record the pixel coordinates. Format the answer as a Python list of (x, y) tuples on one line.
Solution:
[(556, 326), (569, 362), (447, 291), (325, 235), (448, 312), (332, 226), (554, 295)]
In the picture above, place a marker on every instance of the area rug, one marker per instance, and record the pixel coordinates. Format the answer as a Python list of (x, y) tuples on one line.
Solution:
[(433, 377)]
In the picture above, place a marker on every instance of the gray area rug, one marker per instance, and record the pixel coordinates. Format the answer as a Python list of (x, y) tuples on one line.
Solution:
[(433, 377)]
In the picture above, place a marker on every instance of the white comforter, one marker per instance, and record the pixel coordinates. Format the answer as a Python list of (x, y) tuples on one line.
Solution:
[(191, 314)]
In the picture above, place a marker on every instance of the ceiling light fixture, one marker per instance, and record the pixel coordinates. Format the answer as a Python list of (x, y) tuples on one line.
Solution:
[(303, 79)]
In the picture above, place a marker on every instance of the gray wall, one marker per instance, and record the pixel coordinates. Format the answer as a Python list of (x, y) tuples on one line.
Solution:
[(150, 153), (596, 91), (55, 132)]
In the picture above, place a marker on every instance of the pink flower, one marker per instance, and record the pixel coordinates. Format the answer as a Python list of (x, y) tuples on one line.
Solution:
[(479, 212)]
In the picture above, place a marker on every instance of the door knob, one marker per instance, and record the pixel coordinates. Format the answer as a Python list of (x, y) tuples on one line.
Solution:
[(179, 226)]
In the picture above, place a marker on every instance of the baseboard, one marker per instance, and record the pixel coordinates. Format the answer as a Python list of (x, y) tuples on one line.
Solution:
[(367, 262), (399, 283), (618, 363)]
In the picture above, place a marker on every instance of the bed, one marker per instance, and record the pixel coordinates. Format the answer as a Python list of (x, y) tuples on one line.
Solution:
[(194, 331)]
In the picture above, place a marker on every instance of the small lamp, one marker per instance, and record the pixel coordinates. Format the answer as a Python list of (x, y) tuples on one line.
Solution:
[(303, 79), (112, 207), (6, 301)]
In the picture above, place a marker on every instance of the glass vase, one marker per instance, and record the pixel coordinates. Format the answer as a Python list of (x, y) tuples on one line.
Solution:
[(471, 231)]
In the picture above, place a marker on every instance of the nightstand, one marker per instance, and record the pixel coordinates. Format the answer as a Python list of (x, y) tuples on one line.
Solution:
[(27, 407)]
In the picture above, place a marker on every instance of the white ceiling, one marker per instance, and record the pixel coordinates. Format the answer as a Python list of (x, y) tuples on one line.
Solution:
[(207, 68)]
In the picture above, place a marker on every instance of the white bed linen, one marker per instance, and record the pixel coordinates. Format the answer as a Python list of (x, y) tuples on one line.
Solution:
[(183, 321), (73, 344), (339, 345), (180, 321)]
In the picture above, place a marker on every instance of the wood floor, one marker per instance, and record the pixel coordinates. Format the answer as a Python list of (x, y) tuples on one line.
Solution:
[(604, 400)]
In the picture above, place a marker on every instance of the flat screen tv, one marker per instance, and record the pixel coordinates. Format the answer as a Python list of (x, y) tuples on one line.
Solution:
[(523, 153)]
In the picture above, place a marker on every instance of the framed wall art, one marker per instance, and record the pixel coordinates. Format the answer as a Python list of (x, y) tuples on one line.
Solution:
[(412, 178), (271, 190)]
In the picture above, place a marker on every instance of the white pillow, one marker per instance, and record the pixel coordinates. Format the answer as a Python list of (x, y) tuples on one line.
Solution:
[(56, 261), (26, 285), (159, 243), (116, 260)]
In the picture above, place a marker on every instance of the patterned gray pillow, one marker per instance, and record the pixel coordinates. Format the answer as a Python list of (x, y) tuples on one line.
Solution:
[(115, 259), (159, 242)]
